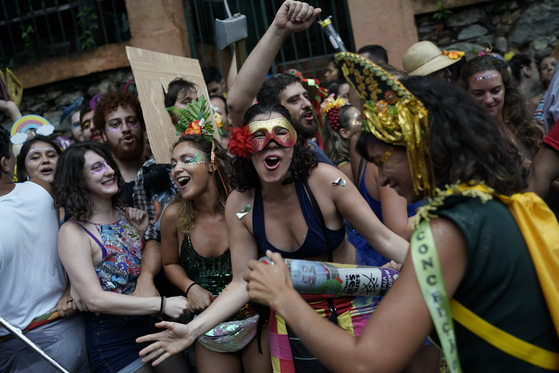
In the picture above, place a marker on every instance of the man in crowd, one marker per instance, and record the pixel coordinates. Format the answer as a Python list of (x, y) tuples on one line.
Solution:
[(214, 81), (285, 89), (33, 279), (374, 53)]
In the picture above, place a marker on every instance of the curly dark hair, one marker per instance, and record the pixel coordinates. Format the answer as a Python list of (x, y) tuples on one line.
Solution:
[(302, 163), (520, 123), (465, 143), (68, 187), (5, 145), (273, 86), (187, 212), (111, 102), (21, 169)]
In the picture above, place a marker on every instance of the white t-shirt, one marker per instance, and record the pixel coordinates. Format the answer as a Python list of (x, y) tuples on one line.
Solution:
[(32, 278)]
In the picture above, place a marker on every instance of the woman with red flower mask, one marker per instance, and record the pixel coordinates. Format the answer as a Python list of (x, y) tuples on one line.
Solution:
[(283, 195)]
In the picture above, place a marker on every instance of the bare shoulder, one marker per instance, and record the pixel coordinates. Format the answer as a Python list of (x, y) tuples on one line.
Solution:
[(69, 228), (172, 211), (324, 175), (237, 200), (69, 234), (324, 172)]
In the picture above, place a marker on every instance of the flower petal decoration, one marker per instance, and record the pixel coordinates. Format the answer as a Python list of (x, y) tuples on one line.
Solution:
[(240, 142), (454, 55), (391, 97)]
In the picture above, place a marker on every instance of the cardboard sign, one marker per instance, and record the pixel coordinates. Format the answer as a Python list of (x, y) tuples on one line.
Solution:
[(151, 71)]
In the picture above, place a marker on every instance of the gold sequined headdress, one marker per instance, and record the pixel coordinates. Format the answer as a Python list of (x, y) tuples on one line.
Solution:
[(393, 115)]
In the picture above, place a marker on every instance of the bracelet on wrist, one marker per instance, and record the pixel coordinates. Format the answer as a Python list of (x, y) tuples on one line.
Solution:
[(162, 306), (186, 292)]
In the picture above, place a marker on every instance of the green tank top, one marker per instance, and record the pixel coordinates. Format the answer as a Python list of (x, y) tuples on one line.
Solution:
[(500, 285), (212, 274)]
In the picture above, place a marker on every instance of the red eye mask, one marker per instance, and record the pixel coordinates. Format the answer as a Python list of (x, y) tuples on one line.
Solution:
[(269, 127)]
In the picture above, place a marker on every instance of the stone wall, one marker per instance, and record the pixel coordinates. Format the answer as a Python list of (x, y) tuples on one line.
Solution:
[(47, 100), (529, 26)]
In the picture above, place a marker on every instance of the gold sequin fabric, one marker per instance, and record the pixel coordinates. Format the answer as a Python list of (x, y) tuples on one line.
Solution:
[(393, 115)]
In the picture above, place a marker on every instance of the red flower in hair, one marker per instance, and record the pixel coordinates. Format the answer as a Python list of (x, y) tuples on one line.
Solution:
[(239, 142), (193, 128)]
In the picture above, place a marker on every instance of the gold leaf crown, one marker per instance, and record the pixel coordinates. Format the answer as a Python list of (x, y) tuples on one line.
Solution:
[(393, 114)]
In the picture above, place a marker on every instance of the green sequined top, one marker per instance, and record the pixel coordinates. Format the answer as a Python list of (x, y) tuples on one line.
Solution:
[(212, 274)]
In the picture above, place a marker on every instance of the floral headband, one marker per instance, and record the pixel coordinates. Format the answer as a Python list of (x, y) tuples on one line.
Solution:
[(194, 119)]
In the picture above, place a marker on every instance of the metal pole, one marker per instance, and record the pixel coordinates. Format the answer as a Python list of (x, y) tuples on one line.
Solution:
[(18, 334)]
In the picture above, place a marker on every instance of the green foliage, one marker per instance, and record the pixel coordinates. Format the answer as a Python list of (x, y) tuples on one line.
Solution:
[(195, 110), (442, 14), (28, 42), (87, 20)]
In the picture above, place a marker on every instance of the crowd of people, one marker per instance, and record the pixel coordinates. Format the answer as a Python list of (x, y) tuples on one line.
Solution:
[(112, 262)]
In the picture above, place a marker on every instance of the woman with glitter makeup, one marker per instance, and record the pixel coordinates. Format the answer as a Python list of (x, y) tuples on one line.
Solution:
[(282, 193), (101, 249), (487, 80), (477, 253), (196, 256), (37, 159)]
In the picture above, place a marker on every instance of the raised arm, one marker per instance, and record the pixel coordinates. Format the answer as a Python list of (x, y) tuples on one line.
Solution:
[(10, 108), (76, 253), (243, 248), (395, 331), (292, 16)]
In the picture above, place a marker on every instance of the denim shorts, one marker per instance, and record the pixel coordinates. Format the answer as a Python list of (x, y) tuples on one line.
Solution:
[(111, 340)]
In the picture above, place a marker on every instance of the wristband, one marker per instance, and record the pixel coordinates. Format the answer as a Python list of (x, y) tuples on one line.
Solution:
[(186, 292), (162, 307)]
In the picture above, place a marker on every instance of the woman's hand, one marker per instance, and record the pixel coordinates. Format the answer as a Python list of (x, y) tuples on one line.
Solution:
[(66, 305), (176, 306), (266, 281), (138, 218), (175, 339), (78, 301), (199, 298)]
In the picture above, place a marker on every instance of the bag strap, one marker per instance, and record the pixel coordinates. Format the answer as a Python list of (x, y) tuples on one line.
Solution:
[(359, 176)]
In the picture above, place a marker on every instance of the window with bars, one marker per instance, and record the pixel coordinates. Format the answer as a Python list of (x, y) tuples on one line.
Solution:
[(33, 30), (307, 52)]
